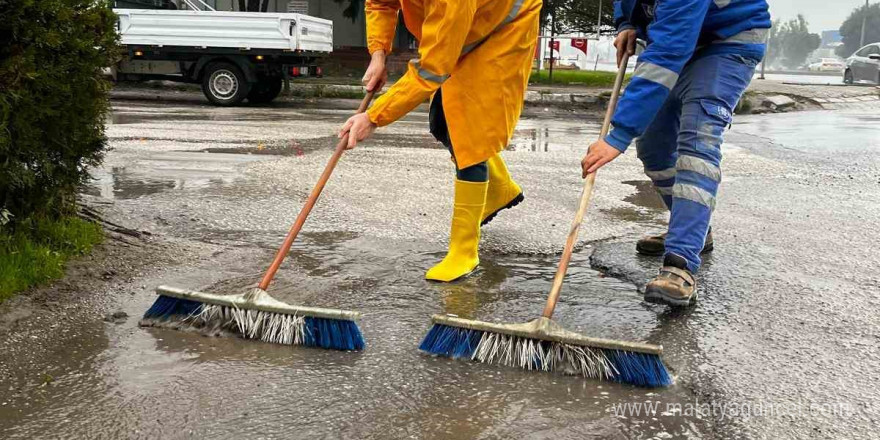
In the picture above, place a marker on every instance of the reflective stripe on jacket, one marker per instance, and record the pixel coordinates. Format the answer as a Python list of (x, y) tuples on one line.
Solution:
[(675, 30)]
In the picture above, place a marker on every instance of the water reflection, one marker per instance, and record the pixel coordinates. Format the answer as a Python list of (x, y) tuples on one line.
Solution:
[(185, 170), (547, 136)]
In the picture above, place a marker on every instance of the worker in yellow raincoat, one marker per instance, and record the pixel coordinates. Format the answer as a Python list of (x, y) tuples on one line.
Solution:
[(474, 61)]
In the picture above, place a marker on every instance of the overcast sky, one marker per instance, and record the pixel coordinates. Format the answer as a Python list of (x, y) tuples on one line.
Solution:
[(823, 15)]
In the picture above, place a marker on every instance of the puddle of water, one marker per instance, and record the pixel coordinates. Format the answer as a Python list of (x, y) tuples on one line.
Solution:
[(158, 173), (544, 136), (645, 196), (648, 206), (160, 382), (819, 131)]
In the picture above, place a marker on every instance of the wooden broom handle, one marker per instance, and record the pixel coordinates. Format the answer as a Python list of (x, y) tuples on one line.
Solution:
[(307, 208), (585, 199)]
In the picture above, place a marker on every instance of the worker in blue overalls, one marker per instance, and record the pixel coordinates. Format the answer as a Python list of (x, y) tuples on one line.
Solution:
[(699, 59)]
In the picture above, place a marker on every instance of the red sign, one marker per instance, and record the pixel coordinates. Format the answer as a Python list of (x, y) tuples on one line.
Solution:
[(554, 45), (580, 44)]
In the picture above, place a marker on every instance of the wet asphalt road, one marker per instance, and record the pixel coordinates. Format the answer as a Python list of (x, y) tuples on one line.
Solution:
[(784, 343)]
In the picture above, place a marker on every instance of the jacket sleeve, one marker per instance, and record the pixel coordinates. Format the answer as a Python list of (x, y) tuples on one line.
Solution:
[(381, 23), (673, 35), (446, 25), (620, 19)]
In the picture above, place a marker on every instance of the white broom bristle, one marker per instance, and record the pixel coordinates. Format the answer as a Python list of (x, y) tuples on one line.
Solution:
[(529, 354), (253, 324)]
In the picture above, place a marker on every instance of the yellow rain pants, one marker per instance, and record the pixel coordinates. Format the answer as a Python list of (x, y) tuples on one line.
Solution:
[(479, 51)]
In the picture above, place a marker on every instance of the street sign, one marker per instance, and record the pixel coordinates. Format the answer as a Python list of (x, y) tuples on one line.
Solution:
[(580, 44)]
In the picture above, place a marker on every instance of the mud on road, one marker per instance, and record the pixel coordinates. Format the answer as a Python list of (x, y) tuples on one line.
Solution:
[(786, 318)]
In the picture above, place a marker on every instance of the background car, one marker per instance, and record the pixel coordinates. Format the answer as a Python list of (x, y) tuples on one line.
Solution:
[(864, 65), (827, 65)]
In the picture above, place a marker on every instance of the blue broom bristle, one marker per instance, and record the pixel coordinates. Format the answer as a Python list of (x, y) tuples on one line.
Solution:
[(317, 332), (333, 334), (451, 342), (167, 307), (640, 369)]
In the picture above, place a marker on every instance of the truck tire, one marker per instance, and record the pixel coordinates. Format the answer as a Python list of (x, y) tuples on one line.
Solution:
[(265, 90), (224, 84)]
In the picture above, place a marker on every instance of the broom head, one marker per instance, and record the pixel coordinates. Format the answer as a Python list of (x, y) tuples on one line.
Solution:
[(544, 345), (256, 315)]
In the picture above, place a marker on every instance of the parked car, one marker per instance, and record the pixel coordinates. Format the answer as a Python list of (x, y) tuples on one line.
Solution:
[(827, 65), (864, 65)]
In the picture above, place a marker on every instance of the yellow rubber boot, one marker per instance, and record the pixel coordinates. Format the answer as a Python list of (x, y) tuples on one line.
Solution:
[(503, 191), (464, 240)]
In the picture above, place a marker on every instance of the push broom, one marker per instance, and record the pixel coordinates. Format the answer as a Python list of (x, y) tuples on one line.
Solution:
[(255, 314), (543, 344)]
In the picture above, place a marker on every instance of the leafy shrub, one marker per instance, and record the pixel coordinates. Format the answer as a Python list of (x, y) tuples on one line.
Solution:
[(53, 101)]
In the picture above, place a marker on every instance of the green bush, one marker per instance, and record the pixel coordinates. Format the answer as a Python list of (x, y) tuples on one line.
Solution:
[(53, 101)]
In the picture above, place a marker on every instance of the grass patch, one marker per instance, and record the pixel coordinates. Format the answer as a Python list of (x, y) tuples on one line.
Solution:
[(36, 251), (587, 78)]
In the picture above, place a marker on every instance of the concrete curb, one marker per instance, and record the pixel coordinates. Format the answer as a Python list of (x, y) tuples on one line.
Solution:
[(855, 102)]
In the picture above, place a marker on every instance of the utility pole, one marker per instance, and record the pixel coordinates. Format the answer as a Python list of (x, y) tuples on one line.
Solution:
[(864, 23), (541, 26), (598, 35), (552, 39)]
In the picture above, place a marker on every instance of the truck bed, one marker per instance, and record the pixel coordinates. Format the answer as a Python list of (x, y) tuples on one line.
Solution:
[(233, 30)]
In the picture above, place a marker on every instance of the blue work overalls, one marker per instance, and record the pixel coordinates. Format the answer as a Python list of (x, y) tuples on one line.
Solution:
[(701, 56)]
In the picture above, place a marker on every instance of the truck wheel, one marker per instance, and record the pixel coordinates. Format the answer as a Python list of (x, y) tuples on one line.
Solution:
[(224, 84), (265, 90)]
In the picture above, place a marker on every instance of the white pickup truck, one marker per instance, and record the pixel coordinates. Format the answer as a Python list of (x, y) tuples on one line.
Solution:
[(233, 55)]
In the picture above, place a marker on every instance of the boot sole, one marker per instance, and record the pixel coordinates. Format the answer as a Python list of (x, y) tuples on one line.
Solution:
[(431, 280), (651, 253), (516, 201), (658, 297)]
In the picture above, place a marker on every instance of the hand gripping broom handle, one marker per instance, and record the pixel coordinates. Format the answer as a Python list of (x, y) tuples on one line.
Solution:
[(585, 199), (307, 208)]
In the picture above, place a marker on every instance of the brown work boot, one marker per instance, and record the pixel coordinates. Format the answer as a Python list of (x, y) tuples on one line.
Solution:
[(656, 245), (675, 286)]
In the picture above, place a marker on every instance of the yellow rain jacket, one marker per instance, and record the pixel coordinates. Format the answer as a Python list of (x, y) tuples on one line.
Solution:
[(480, 51)]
